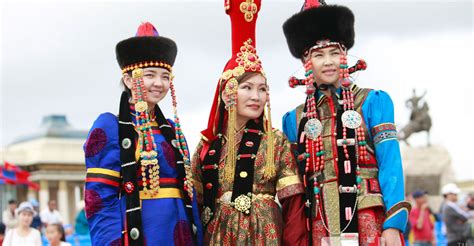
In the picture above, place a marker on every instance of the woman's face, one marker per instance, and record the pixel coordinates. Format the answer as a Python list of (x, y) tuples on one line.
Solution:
[(252, 94), (52, 234), (325, 64), (157, 83), (25, 218)]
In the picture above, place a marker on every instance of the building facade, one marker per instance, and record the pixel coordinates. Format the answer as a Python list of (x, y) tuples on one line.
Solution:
[(55, 159)]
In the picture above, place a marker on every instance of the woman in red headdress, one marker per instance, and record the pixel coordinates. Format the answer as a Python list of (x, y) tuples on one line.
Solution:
[(241, 163)]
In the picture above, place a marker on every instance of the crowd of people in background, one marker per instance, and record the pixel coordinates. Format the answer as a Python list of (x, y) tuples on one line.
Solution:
[(23, 224), (456, 217)]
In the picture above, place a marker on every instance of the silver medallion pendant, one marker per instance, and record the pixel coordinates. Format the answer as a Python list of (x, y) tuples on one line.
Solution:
[(351, 119), (313, 128)]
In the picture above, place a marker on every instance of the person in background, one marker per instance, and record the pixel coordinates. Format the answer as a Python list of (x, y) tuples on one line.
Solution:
[(470, 204), (81, 226), (51, 214), (470, 208), (23, 234), (8, 216), (455, 217), (407, 233), (55, 235), (421, 220), (37, 224), (2, 232)]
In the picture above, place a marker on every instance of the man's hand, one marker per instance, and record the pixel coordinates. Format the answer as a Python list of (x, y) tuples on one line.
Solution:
[(391, 237)]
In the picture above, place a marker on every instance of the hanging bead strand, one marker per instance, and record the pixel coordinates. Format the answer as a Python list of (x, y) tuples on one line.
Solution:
[(181, 144), (147, 145)]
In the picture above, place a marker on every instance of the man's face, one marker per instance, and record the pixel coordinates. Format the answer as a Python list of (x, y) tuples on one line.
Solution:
[(421, 200), (452, 197), (470, 202), (12, 206), (52, 205)]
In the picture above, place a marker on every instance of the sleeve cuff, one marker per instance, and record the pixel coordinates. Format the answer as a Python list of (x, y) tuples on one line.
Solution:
[(397, 216), (289, 186), (384, 132)]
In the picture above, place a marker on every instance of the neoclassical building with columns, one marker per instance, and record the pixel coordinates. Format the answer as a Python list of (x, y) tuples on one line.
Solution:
[(55, 159)]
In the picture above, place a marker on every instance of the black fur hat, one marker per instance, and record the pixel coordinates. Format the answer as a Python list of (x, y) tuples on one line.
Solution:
[(146, 47), (332, 22)]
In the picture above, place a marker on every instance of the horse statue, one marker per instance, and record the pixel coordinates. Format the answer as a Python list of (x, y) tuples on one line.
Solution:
[(420, 120)]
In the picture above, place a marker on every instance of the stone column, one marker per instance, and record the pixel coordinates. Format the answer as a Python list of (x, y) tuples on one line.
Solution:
[(31, 194), (63, 202), (77, 195), (43, 194)]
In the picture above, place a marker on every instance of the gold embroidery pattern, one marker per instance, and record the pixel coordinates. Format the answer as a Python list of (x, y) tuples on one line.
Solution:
[(290, 190), (248, 8), (331, 205), (264, 224)]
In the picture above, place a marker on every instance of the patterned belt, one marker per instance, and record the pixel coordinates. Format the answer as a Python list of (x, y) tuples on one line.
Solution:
[(162, 193), (227, 196), (242, 203)]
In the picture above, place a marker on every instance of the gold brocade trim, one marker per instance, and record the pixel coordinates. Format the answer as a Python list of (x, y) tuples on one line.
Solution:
[(299, 113), (104, 171), (328, 142), (287, 181), (162, 193), (360, 94), (369, 173), (331, 205), (369, 200), (290, 190)]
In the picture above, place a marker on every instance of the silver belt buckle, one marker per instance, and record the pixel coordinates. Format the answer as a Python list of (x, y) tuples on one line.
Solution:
[(347, 189)]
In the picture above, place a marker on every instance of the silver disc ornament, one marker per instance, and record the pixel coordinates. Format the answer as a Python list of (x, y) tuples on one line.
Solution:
[(351, 119), (313, 128)]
